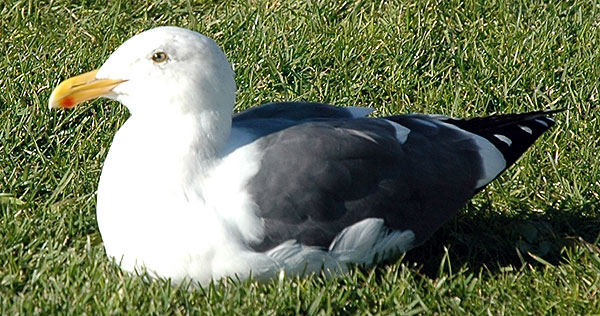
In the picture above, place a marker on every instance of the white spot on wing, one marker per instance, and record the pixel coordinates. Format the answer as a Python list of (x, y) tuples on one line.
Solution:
[(503, 139), (401, 131), (541, 122), (526, 129)]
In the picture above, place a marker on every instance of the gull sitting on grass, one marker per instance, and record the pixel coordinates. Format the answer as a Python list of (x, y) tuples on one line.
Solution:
[(190, 191)]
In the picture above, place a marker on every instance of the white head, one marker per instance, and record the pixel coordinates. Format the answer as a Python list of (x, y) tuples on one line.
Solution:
[(166, 70)]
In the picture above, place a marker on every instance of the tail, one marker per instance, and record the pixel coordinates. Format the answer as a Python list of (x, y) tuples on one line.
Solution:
[(511, 134)]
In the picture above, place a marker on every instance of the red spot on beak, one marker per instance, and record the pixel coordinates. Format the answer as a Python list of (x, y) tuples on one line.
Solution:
[(67, 102)]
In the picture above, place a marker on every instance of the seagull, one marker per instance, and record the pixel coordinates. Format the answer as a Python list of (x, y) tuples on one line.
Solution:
[(190, 191)]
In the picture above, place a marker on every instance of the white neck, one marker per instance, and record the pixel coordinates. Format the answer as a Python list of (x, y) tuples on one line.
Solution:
[(185, 145)]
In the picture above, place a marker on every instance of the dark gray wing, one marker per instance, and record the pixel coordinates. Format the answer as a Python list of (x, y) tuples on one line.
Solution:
[(263, 120), (299, 112), (318, 178), (273, 117)]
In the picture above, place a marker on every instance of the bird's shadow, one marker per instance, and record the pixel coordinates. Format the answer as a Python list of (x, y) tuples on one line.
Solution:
[(487, 240)]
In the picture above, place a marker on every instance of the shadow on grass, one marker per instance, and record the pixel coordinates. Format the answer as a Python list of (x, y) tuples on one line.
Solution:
[(487, 240)]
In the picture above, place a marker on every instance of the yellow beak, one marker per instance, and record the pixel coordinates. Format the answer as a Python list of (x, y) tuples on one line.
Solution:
[(80, 88)]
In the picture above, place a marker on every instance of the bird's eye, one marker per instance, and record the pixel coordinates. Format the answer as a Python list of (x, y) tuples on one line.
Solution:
[(159, 57)]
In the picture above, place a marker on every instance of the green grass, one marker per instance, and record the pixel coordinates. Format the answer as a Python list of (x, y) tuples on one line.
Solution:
[(528, 244)]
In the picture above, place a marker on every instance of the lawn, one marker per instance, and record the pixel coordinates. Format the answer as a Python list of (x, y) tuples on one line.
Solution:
[(527, 244)]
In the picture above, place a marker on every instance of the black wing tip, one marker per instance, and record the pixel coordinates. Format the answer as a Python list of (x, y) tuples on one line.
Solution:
[(511, 134)]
